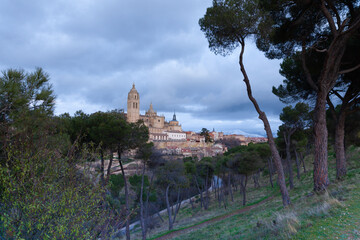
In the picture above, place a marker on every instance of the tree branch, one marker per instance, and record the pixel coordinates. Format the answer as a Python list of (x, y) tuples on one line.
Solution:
[(350, 69), (342, 26), (338, 20), (354, 27), (329, 18), (352, 110), (320, 50), (337, 94), (331, 107), (306, 70)]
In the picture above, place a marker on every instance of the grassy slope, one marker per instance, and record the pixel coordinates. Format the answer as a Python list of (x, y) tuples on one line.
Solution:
[(333, 215)]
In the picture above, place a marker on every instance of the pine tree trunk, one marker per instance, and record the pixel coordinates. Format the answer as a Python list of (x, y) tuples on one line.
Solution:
[(102, 166), (218, 190), (321, 179), (230, 189), (162, 220), (262, 116), (206, 202), (142, 219), (224, 191), (326, 81), (340, 146), (191, 201), (177, 206), (297, 164), (200, 192), (270, 172), (147, 204), (303, 162), (127, 213), (288, 159), (222, 195), (108, 172), (243, 183), (168, 207)]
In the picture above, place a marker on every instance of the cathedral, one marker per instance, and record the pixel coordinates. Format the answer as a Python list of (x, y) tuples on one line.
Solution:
[(159, 129)]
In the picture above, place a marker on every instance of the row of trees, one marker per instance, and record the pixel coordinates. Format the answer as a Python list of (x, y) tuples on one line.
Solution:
[(166, 183), (319, 41)]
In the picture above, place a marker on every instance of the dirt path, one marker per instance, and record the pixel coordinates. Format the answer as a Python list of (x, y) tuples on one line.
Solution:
[(176, 233)]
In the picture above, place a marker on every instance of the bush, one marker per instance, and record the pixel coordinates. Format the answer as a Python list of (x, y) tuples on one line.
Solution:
[(46, 197)]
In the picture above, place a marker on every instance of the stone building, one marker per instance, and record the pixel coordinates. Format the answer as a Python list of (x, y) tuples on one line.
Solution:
[(159, 129)]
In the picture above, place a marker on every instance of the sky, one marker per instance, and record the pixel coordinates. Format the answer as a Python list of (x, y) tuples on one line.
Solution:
[(95, 50)]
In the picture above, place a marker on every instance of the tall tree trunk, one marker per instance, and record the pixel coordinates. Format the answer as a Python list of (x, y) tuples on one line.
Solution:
[(270, 171), (262, 116), (225, 190), (218, 190), (222, 194), (287, 138), (108, 172), (243, 183), (200, 192), (321, 179), (326, 81), (217, 194), (339, 119), (102, 166), (168, 207), (340, 146), (162, 220), (191, 200), (177, 206), (206, 202), (256, 177), (147, 203), (126, 198), (229, 186), (142, 220), (213, 186), (297, 163), (303, 161)]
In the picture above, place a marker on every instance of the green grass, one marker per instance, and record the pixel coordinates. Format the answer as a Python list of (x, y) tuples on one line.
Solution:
[(332, 215), (341, 222), (198, 223)]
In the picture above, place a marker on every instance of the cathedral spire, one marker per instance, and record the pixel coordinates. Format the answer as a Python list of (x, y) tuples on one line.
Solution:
[(174, 116), (151, 109)]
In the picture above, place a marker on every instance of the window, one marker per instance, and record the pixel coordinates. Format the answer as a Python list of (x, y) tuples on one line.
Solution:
[(133, 105), (158, 120)]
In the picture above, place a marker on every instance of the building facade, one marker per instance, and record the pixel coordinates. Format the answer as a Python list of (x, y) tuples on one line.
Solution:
[(159, 129)]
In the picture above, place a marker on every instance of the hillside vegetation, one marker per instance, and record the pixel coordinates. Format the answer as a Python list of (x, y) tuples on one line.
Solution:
[(334, 214)]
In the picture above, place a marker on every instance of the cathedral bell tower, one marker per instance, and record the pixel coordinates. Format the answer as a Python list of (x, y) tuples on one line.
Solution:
[(133, 105)]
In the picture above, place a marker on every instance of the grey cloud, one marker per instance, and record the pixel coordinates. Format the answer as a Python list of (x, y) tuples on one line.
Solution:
[(95, 50)]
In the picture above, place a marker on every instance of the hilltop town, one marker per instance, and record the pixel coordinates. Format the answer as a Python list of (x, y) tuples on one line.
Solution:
[(170, 139)]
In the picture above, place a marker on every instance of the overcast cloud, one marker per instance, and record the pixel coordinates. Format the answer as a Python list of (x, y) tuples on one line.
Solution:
[(94, 51)]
